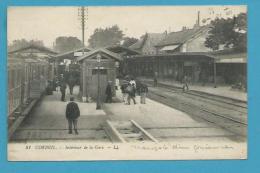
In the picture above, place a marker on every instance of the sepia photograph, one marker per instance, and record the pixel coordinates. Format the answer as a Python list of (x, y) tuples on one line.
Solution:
[(126, 82)]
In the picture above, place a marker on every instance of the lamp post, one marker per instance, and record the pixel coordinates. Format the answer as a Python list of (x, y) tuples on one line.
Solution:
[(98, 91)]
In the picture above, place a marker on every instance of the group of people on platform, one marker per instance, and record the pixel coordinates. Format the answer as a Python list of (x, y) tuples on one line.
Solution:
[(130, 88)]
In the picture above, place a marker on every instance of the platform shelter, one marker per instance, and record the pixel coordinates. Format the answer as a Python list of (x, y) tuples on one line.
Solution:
[(98, 67)]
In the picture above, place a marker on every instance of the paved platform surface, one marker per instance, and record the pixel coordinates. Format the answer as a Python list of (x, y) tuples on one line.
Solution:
[(48, 121), (224, 91)]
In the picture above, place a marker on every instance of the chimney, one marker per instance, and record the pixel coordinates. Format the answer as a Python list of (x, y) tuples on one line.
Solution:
[(184, 28), (197, 24), (165, 32)]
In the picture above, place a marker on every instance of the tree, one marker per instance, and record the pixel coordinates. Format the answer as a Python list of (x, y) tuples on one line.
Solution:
[(18, 44), (64, 44), (128, 41), (106, 37), (231, 32)]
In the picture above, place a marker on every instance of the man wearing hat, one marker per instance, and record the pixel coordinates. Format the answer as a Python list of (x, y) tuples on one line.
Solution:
[(72, 115)]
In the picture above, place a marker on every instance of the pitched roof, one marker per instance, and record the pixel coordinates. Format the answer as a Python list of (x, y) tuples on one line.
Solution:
[(70, 54), (100, 50), (40, 48), (138, 44), (181, 37), (152, 38)]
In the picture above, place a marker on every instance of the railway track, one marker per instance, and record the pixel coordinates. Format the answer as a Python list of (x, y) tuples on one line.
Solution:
[(226, 100), (231, 117), (127, 131), (210, 100)]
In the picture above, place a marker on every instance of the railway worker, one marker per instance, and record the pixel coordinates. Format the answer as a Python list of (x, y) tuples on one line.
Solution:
[(143, 92), (72, 115), (109, 92), (131, 93), (185, 83)]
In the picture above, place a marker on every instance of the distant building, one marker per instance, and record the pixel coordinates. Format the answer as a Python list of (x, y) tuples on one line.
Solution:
[(186, 40), (146, 45), (183, 53)]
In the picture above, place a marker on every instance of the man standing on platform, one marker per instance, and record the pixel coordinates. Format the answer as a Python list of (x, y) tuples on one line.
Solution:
[(72, 115), (143, 93), (131, 93), (109, 92), (185, 83)]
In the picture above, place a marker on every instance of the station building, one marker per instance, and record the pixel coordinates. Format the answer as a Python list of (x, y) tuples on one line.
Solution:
[(184, 53)]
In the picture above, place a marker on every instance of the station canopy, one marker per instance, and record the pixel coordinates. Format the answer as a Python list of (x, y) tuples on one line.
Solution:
[(229, 56), (33, 49), (232, 58), (71, 55)]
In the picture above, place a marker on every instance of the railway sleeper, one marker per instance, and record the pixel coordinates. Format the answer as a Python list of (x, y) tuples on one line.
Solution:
[(126, 131)]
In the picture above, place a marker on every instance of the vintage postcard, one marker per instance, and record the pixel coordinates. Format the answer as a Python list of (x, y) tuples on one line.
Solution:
[(127, 83)]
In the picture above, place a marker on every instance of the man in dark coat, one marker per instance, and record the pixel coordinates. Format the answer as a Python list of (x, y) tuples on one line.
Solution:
[(71, 83), (109, 93), (72, 115), (131, 93), (63, 90)]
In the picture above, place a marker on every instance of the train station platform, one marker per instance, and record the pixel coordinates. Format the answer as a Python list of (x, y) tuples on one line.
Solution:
[(47, 122), (222, 91)]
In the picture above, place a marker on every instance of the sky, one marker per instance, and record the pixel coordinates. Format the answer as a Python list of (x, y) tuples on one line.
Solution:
[(48, 23)]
